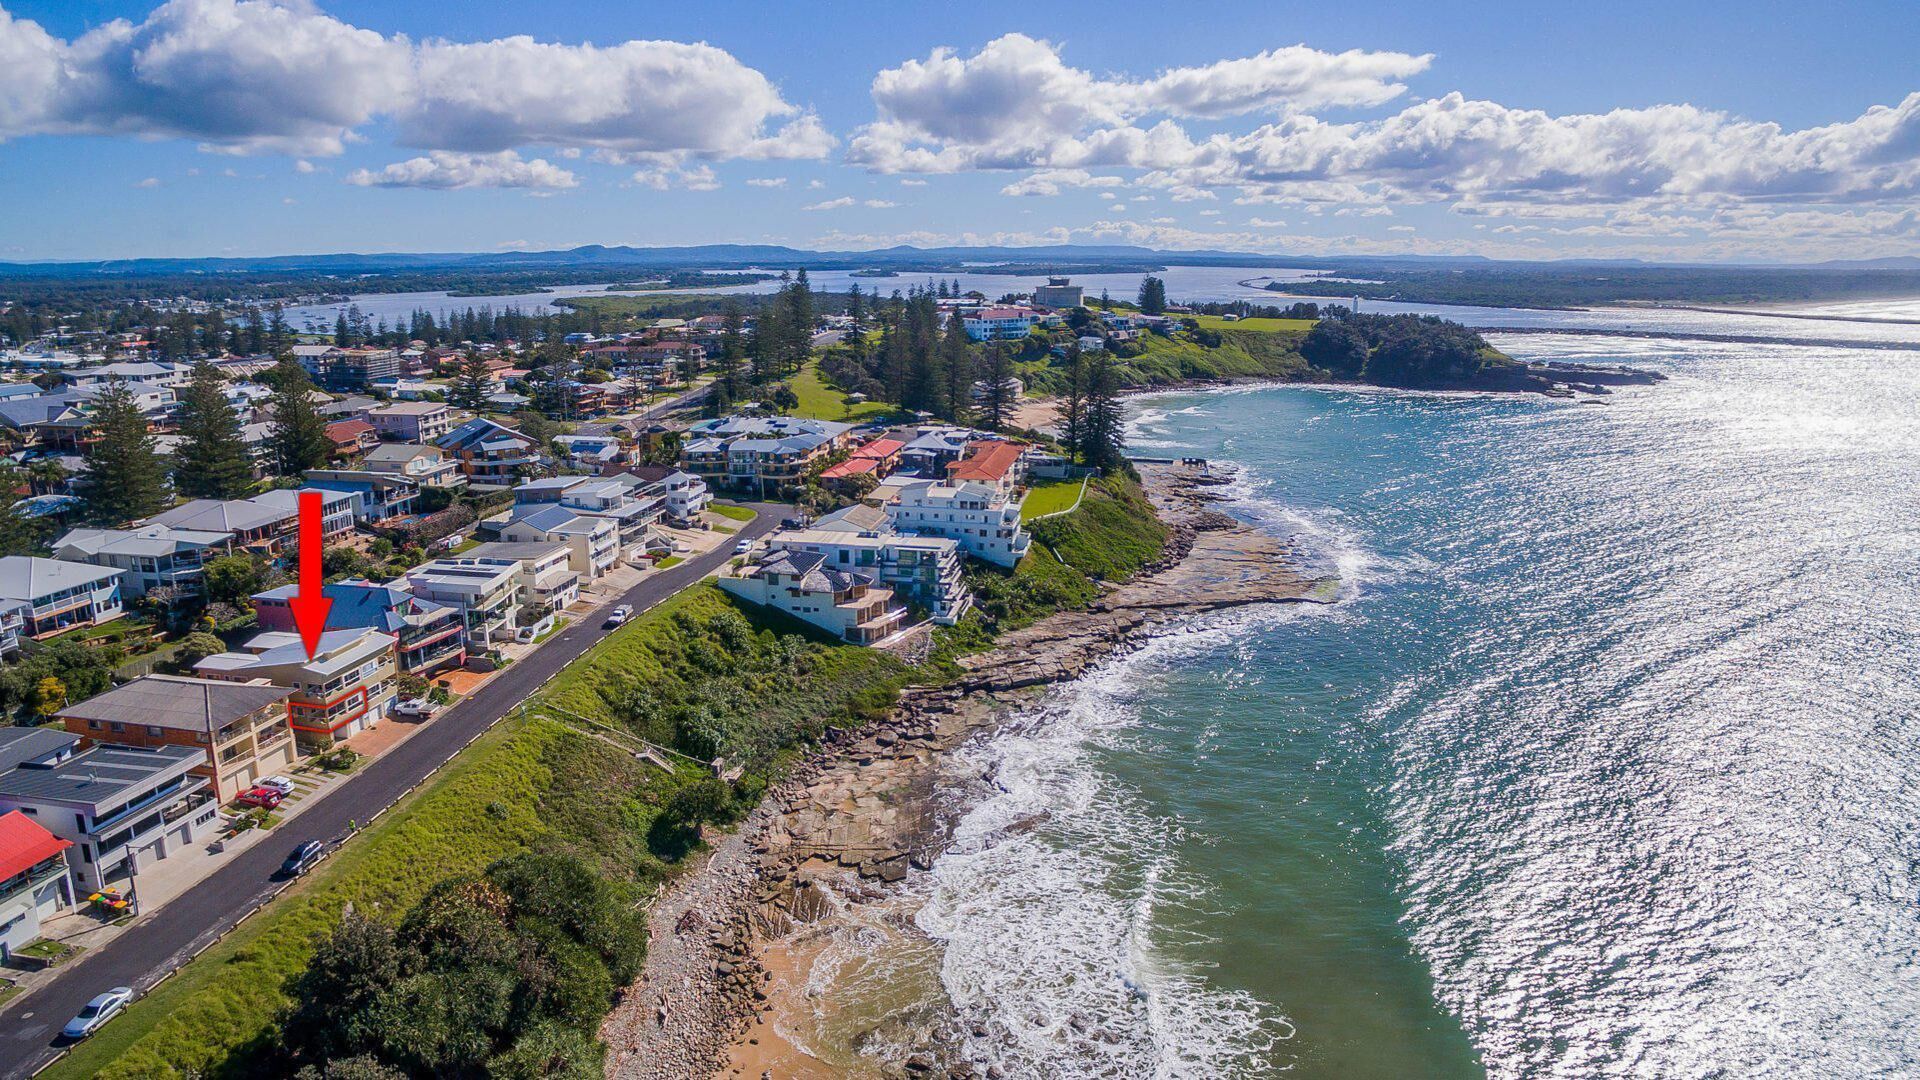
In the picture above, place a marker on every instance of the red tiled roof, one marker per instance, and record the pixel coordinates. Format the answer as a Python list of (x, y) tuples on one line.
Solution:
[(25, 845), (986, 461), (879, 449), (348, 432), (853, 466)]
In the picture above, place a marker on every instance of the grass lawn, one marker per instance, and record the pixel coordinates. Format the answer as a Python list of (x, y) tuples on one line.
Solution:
[(1215, 322), (1050, 497), (669, 561), (727, 510), (819, 401)]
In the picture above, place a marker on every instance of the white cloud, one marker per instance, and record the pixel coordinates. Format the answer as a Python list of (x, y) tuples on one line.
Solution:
[(910, 181), (879, 204), (281, 76), (1050, 181), (671, 172), (447, 171), (149, 182), (1017, 104), (831, 204), (815, 185), (241, 75), (767, 181), (304, 166), (1264, 223)]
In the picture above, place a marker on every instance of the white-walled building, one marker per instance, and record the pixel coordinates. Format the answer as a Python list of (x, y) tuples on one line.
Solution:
[(983, 520)]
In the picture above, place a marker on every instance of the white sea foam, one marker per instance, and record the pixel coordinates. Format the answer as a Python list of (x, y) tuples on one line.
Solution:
[(1050, 907)]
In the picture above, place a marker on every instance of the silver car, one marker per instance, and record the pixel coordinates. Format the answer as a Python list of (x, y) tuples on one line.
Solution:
[(97, 1012)]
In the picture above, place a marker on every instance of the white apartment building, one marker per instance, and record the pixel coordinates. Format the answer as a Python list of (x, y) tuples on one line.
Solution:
[(984, 521)]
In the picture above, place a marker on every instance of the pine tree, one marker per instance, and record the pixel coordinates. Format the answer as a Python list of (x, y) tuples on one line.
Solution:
[(125, 478), (999, 396), (1073, 406), (1153, 296), (472, 383), (299, 431), (733, 349), (956, 365), (211, 462), (342, 336), (19, 535), (1103, 442)]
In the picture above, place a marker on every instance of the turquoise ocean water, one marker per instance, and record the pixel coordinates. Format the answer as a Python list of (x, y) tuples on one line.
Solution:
[(1605, 764)]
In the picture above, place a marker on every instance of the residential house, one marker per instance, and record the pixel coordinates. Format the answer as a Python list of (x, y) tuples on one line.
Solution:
[(933, 447), (589, 450), (351, 438), (59, 594), (923, 570), (35, 882), (594, 541), (412, 421), (1000, 323), (130, 373), (982, 519), (121, 807), (485, 593), (345, 687), (428, 466), (759, 454), (13, 623), (682, 495), (612, 497), (491, 453), (994, 463), (849, 604), (546, 573), (377, 496), (876, 458), (430, 635), (266, 523), (240, 730), (149, 556)]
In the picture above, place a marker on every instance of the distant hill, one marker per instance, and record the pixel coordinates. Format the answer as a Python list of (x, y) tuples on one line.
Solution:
[(1892, 262)]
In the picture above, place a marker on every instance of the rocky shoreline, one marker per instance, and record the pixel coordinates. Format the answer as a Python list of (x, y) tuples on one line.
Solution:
[(863, 812)]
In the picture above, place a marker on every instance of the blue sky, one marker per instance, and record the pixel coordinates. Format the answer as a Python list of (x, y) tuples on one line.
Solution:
[(1669, 131)]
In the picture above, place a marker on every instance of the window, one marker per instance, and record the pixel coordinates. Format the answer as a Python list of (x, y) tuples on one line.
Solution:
[(153, 731)]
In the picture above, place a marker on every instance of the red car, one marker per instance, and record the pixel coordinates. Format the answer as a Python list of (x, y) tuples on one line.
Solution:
[(263, 797)]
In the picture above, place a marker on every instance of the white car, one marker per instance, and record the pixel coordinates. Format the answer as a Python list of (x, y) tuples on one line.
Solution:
[(419, 707), (619, 615), (744, 547), (280, 784), (97, 1012)]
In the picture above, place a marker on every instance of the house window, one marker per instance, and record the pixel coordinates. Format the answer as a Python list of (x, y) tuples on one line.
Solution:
[(153, 731)]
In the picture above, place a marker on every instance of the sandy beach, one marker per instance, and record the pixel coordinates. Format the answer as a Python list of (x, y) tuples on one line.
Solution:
[(738, 976)]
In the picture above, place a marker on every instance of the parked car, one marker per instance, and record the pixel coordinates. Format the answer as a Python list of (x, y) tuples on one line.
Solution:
[(418, 707), (302, 859), (744, 547), (281, 784), (619, 615), (97, 1012), (263, 797)]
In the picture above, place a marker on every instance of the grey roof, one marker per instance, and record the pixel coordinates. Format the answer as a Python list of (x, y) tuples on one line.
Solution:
[(809, 571), (236, 515), (174, 702), (22, 412), (18, 744), (149, 540), (547, 518), (101, 774), (517, 550), (23, 577), (856, 518), (402, 452)]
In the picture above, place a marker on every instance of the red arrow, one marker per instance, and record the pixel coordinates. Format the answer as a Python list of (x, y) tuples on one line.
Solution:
[(310, 605)]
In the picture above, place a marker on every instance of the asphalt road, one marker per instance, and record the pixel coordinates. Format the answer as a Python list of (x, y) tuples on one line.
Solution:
[(162, 941)]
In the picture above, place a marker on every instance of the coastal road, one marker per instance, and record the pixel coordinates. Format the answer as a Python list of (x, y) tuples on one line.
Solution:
[(162, 941)]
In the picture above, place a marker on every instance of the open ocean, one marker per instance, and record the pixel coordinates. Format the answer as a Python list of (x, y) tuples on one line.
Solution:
[(1606, 764)]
